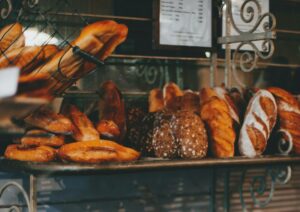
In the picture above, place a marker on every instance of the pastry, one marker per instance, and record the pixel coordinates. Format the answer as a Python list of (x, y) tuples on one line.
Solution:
[(32, 154), (288, 115), (216, 115), (97, 152), (11, 37), (42, 138), (111, 108), (83, 129), (108, 130), (259, 121), (48, 120)]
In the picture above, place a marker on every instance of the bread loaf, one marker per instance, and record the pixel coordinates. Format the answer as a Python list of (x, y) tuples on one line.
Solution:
[(156, 101), (33, 154), (216, 115), (288, 115), (171, 94), (42, 138), (11, 37), (259, 121)]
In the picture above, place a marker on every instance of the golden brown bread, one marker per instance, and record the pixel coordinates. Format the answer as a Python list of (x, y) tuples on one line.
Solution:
[(111, 107), (84, 129), (288, 114), (190, 101), (98, 39), (97, 152), (171, 95), (11, 37), (260, 118), (33, 154), (216, 115), (48, 120), (27, 58), (42, 138), (108, 130), (156, 101)]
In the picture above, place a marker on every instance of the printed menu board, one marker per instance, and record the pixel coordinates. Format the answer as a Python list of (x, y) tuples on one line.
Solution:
[(185, 23)]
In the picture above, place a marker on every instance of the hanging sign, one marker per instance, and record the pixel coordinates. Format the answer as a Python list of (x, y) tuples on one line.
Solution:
[(185, 23)]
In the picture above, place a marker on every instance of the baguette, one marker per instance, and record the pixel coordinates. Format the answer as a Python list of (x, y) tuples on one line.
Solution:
[(11, 37)]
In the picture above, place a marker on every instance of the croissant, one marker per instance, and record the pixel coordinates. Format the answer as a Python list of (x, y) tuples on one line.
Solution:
[(33, 154), (216, 115), (11, 37), (42, 138), (48, 120), (97, 152), (84, 129), (111, 108)]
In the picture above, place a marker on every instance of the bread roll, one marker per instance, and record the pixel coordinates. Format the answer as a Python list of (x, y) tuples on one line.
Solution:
[(83, 129), (97, 152), (259, 121), (32, 154), (48, 120), (216, 115), (42, 138), (288, 115)]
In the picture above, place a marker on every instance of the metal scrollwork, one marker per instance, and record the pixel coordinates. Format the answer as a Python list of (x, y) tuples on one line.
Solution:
[(6, 10), (285, 142), (258, 185), (250, 12), (22, 191), (31, 3)]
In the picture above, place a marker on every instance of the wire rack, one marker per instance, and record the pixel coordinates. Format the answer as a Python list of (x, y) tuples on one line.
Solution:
[(41, 27)]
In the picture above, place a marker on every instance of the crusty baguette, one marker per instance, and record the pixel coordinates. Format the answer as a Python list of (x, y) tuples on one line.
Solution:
[(11, 37), (97, 152), (260, 118), (32, 154), (156, 101), (47, 119), (98, 39), (108, 130), (42, 138), (84, 129), (215, 113), (111, 107), (27, 58)]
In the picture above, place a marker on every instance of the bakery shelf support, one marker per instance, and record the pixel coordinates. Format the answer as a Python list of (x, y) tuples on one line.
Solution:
[(30, 201), (247, 60), (258, 185)]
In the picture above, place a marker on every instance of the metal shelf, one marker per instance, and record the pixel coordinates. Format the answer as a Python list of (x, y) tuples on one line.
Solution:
[(59, 168)]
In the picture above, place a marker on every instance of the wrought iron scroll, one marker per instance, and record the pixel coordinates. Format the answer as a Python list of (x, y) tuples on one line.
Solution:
[(259, 185), (22, 191), (6, 9), (247, 60)]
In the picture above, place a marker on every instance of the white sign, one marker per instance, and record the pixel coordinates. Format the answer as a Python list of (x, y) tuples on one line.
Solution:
[(9, 81), (185, 23), (236, 9)]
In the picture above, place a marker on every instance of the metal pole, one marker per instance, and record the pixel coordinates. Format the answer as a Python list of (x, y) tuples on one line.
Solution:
[(214, 69), (33, 194), (227, 77)]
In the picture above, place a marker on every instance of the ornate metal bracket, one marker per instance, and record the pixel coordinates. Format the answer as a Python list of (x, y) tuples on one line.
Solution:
[(22, 191), (247, 60), (258, 185)]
